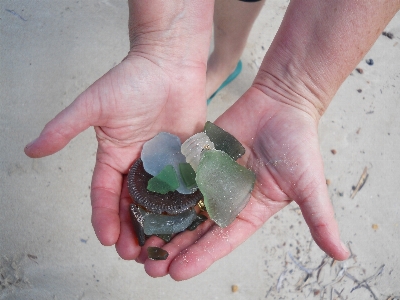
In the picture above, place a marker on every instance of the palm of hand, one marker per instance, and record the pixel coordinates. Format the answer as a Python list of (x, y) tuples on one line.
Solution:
[(283, 151), (128, 106)]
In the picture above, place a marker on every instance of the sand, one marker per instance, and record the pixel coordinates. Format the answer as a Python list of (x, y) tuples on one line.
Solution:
[(52, 50)]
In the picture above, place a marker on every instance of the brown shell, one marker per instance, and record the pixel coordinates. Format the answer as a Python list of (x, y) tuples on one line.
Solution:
[(171, 203)]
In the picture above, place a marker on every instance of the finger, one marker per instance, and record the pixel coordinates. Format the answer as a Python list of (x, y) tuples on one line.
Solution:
[(215, 244), (127, 245), (105, 196), (318, 213), (218, 242), (179, 243), (59, 131)]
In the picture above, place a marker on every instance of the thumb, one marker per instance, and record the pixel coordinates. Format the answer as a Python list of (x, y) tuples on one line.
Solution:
[(314, 202), (63, 128)]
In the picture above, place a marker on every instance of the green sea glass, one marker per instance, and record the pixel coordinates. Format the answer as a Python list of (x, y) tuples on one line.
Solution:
[(224, 141), (199, 219), (188, 175), (167, 224), (225, 185), (165, 237), (155, 253), (165, 181)]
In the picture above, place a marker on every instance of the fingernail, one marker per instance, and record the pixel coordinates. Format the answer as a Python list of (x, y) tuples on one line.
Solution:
[(344, 247), (30, 144)]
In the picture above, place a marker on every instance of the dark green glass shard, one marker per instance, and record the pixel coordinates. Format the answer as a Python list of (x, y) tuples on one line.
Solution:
[(164, 182), (165, 237), (137, 217), (156, 253), (199, 219), (188, 175), (224, 141)]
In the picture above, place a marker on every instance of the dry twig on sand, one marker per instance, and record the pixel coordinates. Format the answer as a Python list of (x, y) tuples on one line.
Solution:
[(360, 183)]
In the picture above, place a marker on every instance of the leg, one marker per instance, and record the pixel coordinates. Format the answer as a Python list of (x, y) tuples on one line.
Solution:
[(233, 21)]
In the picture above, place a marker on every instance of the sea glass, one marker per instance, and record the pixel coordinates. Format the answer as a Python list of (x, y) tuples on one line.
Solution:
[(156, 253), (167, 224), (224, 141), (162, 150), (137, 217), (165, 237), (199, 219), (225, 185), (194, 146), (188, 175), (171, 203), (164, 182)]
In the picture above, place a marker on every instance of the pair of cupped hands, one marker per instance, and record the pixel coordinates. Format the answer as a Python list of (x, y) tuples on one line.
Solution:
[(145, 95)]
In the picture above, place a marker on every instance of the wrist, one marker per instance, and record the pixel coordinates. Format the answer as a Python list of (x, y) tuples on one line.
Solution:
[(171, 30), (292, 89)]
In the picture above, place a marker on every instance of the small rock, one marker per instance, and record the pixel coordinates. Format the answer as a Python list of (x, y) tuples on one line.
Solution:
[(333, 151), (359, 90), (155, 253), (388, 34), (235, 288), (375, 227), (369, 61), (359, 70)]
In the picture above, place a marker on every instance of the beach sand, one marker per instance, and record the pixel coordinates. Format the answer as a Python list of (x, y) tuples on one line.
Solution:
[(51, 51)]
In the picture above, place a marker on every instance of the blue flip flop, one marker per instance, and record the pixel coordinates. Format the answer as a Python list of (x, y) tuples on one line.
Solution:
[(231, 77)]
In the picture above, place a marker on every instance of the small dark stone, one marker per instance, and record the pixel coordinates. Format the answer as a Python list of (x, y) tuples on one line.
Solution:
[(369, 61), (359, 90), (388, 34), (333, 151), (156, 253), (199, 219), (359, 70)]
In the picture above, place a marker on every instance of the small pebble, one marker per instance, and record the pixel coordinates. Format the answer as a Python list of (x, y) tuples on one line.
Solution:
[(156, 253), (333, 151), (375, 226), (328, 182), (235, 288), (388, 34), (359, 90), (370, 61), (359, 70)]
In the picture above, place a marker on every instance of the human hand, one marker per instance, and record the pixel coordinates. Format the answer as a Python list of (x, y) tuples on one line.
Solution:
[(129, 105), (282, 149)]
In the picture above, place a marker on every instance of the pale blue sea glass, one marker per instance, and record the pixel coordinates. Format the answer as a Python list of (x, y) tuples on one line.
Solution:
[(225, 185), (162, 150)]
